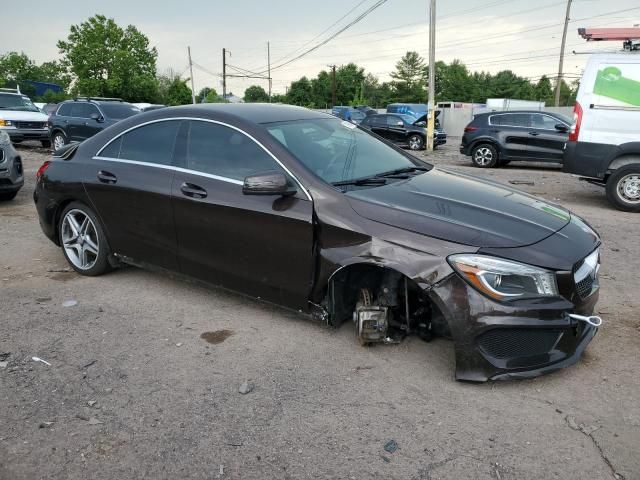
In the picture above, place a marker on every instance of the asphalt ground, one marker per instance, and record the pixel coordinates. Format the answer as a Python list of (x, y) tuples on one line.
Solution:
[(134, 391)]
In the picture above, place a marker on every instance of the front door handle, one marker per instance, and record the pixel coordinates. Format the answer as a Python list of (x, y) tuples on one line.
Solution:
[(193, 191), (535, 134), (107, 177)]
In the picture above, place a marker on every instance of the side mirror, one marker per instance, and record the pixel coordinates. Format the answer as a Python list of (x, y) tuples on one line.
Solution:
[(97, 117), (268, 183), (561, 127)]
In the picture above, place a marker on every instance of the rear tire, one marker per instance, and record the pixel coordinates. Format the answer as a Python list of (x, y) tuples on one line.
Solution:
[(484, 155), (59, 140), (7, 196), (623, 188), (83, 241)]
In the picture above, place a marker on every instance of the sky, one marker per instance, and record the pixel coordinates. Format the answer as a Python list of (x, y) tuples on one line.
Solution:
[(489, 35)]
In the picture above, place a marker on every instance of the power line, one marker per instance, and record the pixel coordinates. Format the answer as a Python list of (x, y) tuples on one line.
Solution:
[(359, 18)]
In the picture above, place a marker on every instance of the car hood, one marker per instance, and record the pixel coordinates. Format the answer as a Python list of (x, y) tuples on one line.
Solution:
[(460, 208), (23, 116)]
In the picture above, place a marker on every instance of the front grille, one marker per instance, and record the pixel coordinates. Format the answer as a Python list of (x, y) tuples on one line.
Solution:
[(38, 125), (518, 342)]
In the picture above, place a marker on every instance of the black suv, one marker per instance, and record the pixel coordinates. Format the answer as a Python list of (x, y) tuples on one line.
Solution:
[(403, 129), (494, 139), (83, 117)]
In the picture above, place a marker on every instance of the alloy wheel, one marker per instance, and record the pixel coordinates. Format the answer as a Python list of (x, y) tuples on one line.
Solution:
[(80, 239), (482, 156), (415, 143), (629, 188), (58, 141)]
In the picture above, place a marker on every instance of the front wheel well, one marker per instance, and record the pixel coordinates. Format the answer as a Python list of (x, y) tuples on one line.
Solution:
[(389, 288)]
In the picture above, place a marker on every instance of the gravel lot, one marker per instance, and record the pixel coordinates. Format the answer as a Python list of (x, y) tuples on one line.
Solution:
[(133, 391)]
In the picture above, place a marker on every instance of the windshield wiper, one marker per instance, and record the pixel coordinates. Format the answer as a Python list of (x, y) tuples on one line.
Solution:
[(361, 181), (400, 171)]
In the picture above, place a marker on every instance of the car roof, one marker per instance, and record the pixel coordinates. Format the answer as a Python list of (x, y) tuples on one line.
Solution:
[(251, 112), (518, 111)]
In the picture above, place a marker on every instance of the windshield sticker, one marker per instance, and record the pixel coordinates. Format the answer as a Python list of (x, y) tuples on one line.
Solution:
[(349, 125)]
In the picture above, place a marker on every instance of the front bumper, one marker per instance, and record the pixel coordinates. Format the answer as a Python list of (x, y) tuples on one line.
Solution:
[(20, 134), (497, 341), (11, 174)]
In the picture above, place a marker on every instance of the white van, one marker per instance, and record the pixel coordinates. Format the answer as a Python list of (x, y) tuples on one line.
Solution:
[(604, 143), (21, 119)]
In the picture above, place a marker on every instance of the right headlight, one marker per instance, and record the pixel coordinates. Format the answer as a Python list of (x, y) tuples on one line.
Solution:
[(504, 279)]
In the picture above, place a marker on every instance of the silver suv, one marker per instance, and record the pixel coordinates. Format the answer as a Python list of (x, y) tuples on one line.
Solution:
[(21, 119), (11, 176)]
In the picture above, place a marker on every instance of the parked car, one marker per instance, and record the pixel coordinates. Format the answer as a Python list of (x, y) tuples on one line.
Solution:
[(403, 130), (497, 138), (367, 110), (416, 110), (49, 108), (308, 211), (21, 119), (147, 107), (83, 117), (604, 144), (349, 114), (11, 175)]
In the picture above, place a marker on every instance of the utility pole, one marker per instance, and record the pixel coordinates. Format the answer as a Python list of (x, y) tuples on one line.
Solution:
[(333, 85), (432, 75), (193, 90), (224, 74), (564, 38), (269, 69)]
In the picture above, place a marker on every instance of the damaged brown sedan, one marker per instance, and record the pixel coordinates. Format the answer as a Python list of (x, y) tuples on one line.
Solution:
[(307, 211)]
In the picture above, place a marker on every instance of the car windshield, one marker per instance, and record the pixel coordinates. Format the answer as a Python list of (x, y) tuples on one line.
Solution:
[(339, 151), (17, 102), (408, 118), (118, 111)]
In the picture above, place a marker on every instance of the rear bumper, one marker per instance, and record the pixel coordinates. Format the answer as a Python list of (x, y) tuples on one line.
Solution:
[(498, 341), (47, 210), (11, 175), (587, 159)]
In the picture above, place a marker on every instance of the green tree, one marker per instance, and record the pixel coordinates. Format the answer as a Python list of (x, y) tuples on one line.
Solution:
[(172, 90), (108, 60), (321, 89), (255, 93), (208, 95), (409, 78), (349, 80), (300, 93), (544, 90)]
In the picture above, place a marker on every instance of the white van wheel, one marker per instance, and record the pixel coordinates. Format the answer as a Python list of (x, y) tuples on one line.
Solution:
[(623, 188)]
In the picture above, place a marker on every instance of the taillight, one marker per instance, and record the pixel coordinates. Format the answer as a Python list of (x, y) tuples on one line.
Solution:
[(470, 129), (42, 169), (577, 121)]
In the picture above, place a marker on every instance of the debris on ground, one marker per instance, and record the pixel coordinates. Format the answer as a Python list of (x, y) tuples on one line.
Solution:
[(94, 421), (391, 446), (245, 388), (91, 403), (69, 303), (216, 337), (87, 365), (4, 356), (386, 459), (179, 344), (45, 424), (521, 182), (43, 299), (38, 359), (4, 364)]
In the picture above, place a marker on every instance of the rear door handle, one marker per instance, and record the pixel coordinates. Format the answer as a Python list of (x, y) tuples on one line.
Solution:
[(106, 177), (193, 191), (535, 134)]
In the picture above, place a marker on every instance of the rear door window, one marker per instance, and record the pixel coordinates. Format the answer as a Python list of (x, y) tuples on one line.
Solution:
[(225, 152), (79, 110), (544, 122), (512, 120), (64, 110), (153, 143)]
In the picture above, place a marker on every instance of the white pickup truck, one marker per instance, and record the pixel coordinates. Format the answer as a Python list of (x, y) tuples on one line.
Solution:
[(21, 119)]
